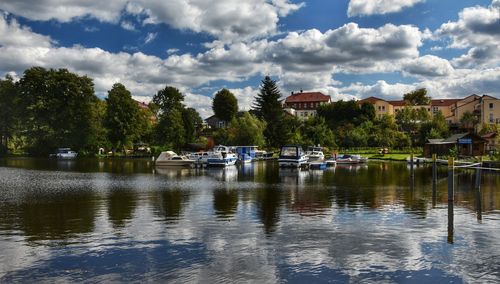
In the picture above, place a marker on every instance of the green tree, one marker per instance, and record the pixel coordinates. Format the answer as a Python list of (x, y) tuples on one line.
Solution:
[(9, 104), (191, 120), (417, 97), (171, 129), (246, 130), (123, 119), (57, 109), (315, 131), (225, 105), (267, 106), (169, 98), (469, 121)]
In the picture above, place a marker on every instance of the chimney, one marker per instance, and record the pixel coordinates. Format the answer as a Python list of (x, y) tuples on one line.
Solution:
[(292, 92), (301, 90)]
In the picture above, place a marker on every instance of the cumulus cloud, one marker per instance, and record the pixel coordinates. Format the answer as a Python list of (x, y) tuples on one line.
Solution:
[(372, 7), (477, 28), (348, 48), (126, 25), (428, 66), (11, 33), (227, 20), (65, 11)]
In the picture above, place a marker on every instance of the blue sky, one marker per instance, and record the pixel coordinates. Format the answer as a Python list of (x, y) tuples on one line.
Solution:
[(344, 48)]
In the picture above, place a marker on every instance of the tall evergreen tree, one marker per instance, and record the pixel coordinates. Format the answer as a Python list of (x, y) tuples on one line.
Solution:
[(267, 106)]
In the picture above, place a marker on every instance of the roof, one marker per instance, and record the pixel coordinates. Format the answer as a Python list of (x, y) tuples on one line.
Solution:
[(444, 102), (489, 135), (371, 100), (455, 137), (398, 103), (307, 97)]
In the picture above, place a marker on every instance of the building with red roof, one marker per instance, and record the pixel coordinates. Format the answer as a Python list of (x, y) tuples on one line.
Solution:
[(304, 104)]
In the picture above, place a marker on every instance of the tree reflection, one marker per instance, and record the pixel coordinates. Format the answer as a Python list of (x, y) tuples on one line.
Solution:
[(268, 207), (225, 202), (169, 203), (59, 217), (121, 206)]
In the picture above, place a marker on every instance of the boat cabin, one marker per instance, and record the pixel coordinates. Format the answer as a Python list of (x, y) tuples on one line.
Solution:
[(291, 152)]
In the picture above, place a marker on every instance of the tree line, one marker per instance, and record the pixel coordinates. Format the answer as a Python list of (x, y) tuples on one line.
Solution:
[(47, 109)]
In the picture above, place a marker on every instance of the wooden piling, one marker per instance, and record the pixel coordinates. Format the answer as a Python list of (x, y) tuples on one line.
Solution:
[(451, 179)]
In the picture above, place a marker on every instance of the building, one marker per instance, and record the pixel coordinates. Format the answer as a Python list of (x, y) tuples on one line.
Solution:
[(485, 108), (304, 104), (215, 123), (491, 142), (466, 144), (382, 107)]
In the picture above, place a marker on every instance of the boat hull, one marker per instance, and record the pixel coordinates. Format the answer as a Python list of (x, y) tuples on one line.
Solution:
[(171, 163), (291, 163), (221, 162)]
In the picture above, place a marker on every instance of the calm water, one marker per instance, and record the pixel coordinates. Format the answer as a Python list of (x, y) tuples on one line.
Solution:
[(123, 221)]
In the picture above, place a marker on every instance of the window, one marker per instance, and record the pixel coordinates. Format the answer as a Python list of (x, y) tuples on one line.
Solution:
[(491, 118), (379, 108), (312, 105), (305, 113), (491, 105), (435, 109), (397, 110), (293, 105), (383, 108), (300, 105)]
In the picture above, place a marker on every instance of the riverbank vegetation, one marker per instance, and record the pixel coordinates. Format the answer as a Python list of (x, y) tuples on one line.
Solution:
[(47, 109)]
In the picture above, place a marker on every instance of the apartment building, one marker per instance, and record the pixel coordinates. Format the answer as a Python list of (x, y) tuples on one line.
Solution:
[(486, 108), (304, 104)]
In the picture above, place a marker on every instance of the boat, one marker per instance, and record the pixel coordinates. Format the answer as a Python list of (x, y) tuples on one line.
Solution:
[(330, 162), (246, 154), (64, 153), (416, 160), (198, 157), (360, 158), (221, 156), (317, 165), (351, 159), (263, 155), (315, 154), (292, 156), (171, 159)]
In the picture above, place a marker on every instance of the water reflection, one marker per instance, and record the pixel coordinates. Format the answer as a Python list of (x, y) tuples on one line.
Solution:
[(225, 202), (268, 203), (169, 203), (121, 206), (253, 223)]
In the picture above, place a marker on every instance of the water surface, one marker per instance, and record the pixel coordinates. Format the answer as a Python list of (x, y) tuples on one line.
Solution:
[(123, 220)]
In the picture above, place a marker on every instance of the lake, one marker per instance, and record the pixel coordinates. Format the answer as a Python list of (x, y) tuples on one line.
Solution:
[(123, 220)]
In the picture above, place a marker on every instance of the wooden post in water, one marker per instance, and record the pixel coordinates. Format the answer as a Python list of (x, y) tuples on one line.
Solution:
[(412, 173), (478, 174), (478, 190), (451, 179), (434, 179), (450, 222)]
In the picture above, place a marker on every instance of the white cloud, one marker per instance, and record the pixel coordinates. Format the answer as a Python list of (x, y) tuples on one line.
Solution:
[(348, 48), (172, 50), (227, 20), (478, 28), (44, 10), (11, 33), (372, 7), (150, 37), (428, 66), (126, 25)]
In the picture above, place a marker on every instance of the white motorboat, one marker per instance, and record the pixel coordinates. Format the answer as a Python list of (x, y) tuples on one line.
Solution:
[(171, 159), (351, 159), (221, 156), (292, 156), (64, 153), (315, 154)]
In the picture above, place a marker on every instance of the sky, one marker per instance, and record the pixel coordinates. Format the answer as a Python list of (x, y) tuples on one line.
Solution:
[(348, 49)]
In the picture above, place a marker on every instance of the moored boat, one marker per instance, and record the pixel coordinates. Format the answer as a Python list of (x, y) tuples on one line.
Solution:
[(64, 153), (315, 154), (221, 156), (292, 156), (171, 159)]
